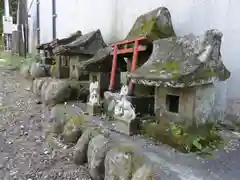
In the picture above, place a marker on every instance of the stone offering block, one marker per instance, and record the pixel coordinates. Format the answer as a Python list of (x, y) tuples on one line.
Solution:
[(93, 109), (126, 126)]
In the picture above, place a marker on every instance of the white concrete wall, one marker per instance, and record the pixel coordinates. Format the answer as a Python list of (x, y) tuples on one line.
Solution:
[(45, 21), (85, 15), (115, 18), (32, 20)]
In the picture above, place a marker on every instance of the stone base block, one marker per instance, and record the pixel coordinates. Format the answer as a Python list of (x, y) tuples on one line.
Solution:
[(93, 109), (126, 126)]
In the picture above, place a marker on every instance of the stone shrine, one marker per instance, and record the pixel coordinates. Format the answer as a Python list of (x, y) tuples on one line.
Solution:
[(183, 70)]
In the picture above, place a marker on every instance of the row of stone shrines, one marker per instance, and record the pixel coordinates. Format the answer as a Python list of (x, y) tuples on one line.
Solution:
[(175, 75)]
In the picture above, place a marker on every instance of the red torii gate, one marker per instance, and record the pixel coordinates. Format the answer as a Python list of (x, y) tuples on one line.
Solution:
[(117, 50)]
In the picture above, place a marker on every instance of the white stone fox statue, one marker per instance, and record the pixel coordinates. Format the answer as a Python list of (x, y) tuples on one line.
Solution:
[(94, 95), (124, 108)]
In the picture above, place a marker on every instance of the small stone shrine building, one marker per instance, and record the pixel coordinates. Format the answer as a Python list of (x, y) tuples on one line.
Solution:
[(183, 70), (153, 25), (47, 48), (81, 49), (99, 68)]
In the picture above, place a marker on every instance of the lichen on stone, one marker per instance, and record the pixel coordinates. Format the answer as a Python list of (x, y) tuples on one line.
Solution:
[(53, 69), (171, 66), (73, 129), (132, 156), (154, 24), (81, 147), (149, 28), (184, 61), (122, 161)]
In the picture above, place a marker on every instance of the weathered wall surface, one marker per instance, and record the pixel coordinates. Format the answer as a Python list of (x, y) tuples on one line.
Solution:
[(186, 104), (204, 103), (194, 103), (114, 18)]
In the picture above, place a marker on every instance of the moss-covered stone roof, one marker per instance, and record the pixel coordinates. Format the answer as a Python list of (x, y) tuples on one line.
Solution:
[(184, 61), (154, 25), (87, 44), (56, 42)]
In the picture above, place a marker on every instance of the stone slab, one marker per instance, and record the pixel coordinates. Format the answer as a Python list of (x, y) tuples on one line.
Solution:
[(125, 126), (93, 109)]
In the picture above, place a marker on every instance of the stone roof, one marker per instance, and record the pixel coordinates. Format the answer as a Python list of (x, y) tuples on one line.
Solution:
[(71, 38), (87, 44), (154, 25), (184, 61), (56, 42), (101, 61)]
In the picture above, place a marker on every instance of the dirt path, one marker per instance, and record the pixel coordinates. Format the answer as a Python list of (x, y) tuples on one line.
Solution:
[(22, 152)]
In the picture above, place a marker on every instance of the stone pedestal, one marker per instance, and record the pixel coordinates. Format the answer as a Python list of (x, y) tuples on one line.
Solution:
[(126, 126), (93, 109)]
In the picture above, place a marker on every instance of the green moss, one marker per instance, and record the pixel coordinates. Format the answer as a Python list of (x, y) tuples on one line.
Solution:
[(115, 177), (73, 129), (12, 61), (169, 66), (143, 30), (150, 29), (75, 123), (77, 120), (172, 67), (201, 139), (53, 69), (208, 74)]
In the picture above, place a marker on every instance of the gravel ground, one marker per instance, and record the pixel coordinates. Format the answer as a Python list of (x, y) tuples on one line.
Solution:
[(22, 152)]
